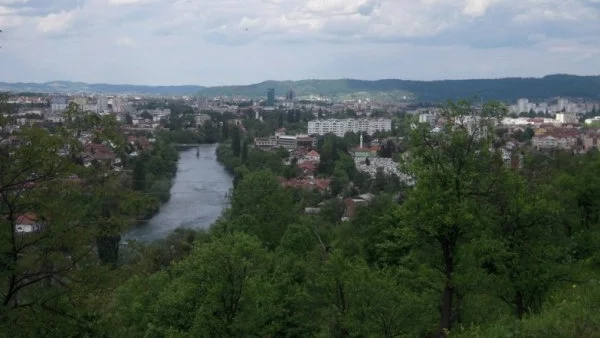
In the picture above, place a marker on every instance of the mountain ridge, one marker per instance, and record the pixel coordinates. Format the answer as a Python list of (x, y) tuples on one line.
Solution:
[(505, 89)]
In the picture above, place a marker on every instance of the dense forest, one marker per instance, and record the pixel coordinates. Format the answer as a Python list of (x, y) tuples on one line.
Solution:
[(475, 248)]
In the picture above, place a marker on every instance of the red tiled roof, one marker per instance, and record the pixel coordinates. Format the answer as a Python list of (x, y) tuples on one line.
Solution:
[(307, 166), (28, 218), (320, 184), (99, 151), (312, 153)]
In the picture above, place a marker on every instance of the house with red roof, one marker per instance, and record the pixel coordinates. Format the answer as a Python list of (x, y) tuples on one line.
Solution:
[(308, 168), (313, 156), (318, 184), (556, 138), (27, 223)]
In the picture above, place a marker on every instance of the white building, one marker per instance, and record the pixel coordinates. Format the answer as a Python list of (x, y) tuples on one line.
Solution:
[(340, 127), (566, 118), (58, 104), (201, 119), (592, 120), (523, 105), (428, 118)]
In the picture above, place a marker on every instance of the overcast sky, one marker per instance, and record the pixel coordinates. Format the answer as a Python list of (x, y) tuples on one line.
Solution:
[(218, 42)]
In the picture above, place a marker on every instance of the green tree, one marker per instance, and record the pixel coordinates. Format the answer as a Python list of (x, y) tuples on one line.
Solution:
[(139, 174), (260, 206), (453, 169), (244, 152), (225, 130), (216, 291), (236, 142), (525, 245), (146, 116)]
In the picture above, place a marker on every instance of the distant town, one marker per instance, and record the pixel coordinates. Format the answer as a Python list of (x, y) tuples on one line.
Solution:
[(560, 123)]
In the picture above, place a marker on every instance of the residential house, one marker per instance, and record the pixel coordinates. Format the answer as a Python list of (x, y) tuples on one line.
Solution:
[(352, 204), (318, 184), (308, 168), (556, 138), (590, 139), (54, 117), (98, 152), (27, 223), (313, 156), (265, 143)]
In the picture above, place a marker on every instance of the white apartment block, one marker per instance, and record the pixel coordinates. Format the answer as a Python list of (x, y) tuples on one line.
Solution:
[(428, 118), (566, 118), (341, 127)]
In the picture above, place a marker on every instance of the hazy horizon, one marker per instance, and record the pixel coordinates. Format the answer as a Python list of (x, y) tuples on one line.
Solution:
[(313, 79)]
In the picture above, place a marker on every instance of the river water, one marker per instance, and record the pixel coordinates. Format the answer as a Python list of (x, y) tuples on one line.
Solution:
[(198, 196)]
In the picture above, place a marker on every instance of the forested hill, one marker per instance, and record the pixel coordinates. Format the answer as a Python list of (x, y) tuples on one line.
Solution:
[(507, 89)]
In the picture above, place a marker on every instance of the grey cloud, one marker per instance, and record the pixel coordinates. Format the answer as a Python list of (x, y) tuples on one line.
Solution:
[(205, 41), (368, 8)]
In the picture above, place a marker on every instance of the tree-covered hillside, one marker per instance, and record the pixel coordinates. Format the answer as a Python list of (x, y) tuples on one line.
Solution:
[(508, 89)]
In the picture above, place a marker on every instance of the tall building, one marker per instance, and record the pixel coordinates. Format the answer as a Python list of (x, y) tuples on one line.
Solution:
[(290, 96), (340, 127), (58, 103), (270, 97), (523, 105)]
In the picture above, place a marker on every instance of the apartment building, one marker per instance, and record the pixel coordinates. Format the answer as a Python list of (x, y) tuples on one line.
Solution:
[(285, 141), (340, 127)]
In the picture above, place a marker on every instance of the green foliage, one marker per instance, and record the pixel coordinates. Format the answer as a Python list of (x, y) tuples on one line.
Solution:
[(213, 292), (261, 207), (236, 142)]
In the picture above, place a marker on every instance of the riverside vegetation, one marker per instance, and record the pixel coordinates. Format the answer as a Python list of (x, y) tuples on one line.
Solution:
[(474, 249)]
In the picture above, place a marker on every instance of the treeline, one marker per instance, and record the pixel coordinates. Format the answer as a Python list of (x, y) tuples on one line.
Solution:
[(506, 89), (153, 171)]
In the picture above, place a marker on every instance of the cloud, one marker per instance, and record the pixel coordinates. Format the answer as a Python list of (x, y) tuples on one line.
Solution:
[(477, 8), (126, 41), (224, 41), (56, 22)]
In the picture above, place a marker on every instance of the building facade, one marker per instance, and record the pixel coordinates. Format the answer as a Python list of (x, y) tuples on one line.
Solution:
[(270, 97), (340, 127)]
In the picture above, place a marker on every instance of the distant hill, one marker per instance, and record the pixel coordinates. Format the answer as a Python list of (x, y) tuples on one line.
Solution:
[(64, 87), (343, 88), (507, 89)]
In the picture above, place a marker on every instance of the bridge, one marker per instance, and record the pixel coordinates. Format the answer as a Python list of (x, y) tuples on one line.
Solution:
[(188, 145)]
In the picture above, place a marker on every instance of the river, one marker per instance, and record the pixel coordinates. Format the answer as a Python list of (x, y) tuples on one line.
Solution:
[(198, 196)]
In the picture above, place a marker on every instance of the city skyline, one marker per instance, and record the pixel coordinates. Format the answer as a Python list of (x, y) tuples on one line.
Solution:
[(211, 43)]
